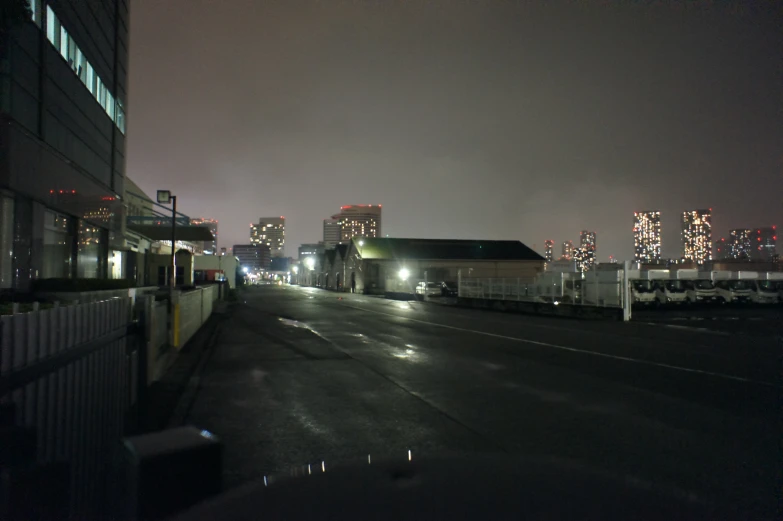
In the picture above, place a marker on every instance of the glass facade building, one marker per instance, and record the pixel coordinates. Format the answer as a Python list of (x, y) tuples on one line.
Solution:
[(63, 106)]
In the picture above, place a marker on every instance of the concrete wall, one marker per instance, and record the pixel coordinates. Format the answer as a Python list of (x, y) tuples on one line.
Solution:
[(192, 310)]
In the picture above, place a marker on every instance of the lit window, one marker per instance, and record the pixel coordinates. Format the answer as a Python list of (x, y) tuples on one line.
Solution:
[(63, 42), (52, 27)]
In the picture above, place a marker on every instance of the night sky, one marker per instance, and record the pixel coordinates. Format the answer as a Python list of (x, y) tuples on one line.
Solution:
[(482, 119)]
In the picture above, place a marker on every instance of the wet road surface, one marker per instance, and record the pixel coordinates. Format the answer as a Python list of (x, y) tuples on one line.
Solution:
[(301, 375)]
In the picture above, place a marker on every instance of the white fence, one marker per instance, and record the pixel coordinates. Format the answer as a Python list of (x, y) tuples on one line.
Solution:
[(498, 289), (596, 289), (70, 375)]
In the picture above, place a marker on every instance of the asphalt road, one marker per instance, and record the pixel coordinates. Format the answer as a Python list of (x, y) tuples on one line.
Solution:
[(301, 375)]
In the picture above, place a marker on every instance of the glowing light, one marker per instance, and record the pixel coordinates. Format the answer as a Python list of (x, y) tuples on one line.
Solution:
[(245, 269), (323, 466), (369, 460), (361, 243), (310, 263), (295, 269), (404, 274), (409, 455)]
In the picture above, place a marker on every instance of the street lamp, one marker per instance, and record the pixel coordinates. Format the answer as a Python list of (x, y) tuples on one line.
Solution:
[(404, 274), (245, 269), (295, 269), (310, 262), (165, 197)]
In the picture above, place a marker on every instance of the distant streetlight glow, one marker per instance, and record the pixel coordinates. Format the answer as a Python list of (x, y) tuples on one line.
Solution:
[(245, 269), (404, 274), (310, 263), (361, 243), (295, 269)]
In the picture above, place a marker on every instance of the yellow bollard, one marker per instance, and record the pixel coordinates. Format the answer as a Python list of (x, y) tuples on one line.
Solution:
[(175, 323)]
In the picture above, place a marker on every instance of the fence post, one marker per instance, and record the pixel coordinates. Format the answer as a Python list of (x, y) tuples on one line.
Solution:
[(626, 292)]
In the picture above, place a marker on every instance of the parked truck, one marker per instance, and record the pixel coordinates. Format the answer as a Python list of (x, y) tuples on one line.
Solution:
[(767, 288), (642, 288), (699, 288), (733, 286), (668, 288)]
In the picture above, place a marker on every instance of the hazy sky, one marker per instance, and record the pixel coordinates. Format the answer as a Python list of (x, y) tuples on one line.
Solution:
[(465, 119)]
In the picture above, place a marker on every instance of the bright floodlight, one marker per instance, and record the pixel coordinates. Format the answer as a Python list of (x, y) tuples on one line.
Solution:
[(404, 274), (310, 262), (361, 243), (295, 269), (245, 269)]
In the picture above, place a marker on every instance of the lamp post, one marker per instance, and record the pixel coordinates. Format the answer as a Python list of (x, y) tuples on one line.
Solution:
[(165, 197)]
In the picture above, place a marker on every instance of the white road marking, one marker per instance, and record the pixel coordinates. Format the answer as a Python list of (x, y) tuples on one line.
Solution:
[(691, 328), (582, 351)]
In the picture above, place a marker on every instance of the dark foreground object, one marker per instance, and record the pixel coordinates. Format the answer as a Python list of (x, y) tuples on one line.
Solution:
[(465, 487), (171, 470)]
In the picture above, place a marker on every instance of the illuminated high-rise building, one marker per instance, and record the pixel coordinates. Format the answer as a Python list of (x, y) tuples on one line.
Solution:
[(765, 240), (722, 249), (697, 235), (210, 247), (740, 246), (587, 244), (567, 250), (271, 232), (647, 236), (359, 220), (549, 245), (332, 232)]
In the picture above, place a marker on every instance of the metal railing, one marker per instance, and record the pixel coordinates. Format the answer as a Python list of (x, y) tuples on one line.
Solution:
[(593, 293), (71, 375)]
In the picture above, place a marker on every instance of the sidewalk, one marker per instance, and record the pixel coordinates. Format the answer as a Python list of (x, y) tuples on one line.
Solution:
[(164, 395)]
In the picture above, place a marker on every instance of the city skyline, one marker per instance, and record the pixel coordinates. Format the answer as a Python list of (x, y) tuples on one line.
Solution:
[(495, 151)]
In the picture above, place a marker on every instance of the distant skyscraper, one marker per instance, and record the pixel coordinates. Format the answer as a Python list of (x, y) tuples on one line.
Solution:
[(765, 243), (697, 235), (739, 246), (332, 232), (271, 232), (549, 245), (587, 243), (567, 251), (360, 220), (722, 249), (254, 257), (212, 225), (647, 236)]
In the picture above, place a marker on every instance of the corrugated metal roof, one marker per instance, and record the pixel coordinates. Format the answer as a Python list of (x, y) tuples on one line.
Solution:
[(443, 249)]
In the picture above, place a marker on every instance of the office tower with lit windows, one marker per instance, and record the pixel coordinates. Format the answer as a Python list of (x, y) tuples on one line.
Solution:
[(332, 232), (647, 236), (739, 244), (211, 247), (567, 250), (765, 239), (254, 257), (549, 246), (63, 76), (359, 220), (587, 243), (697, 235), (271, 232)]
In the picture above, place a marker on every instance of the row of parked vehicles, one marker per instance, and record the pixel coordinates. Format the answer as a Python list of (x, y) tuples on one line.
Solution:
[(690, 286), (656, 287)]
